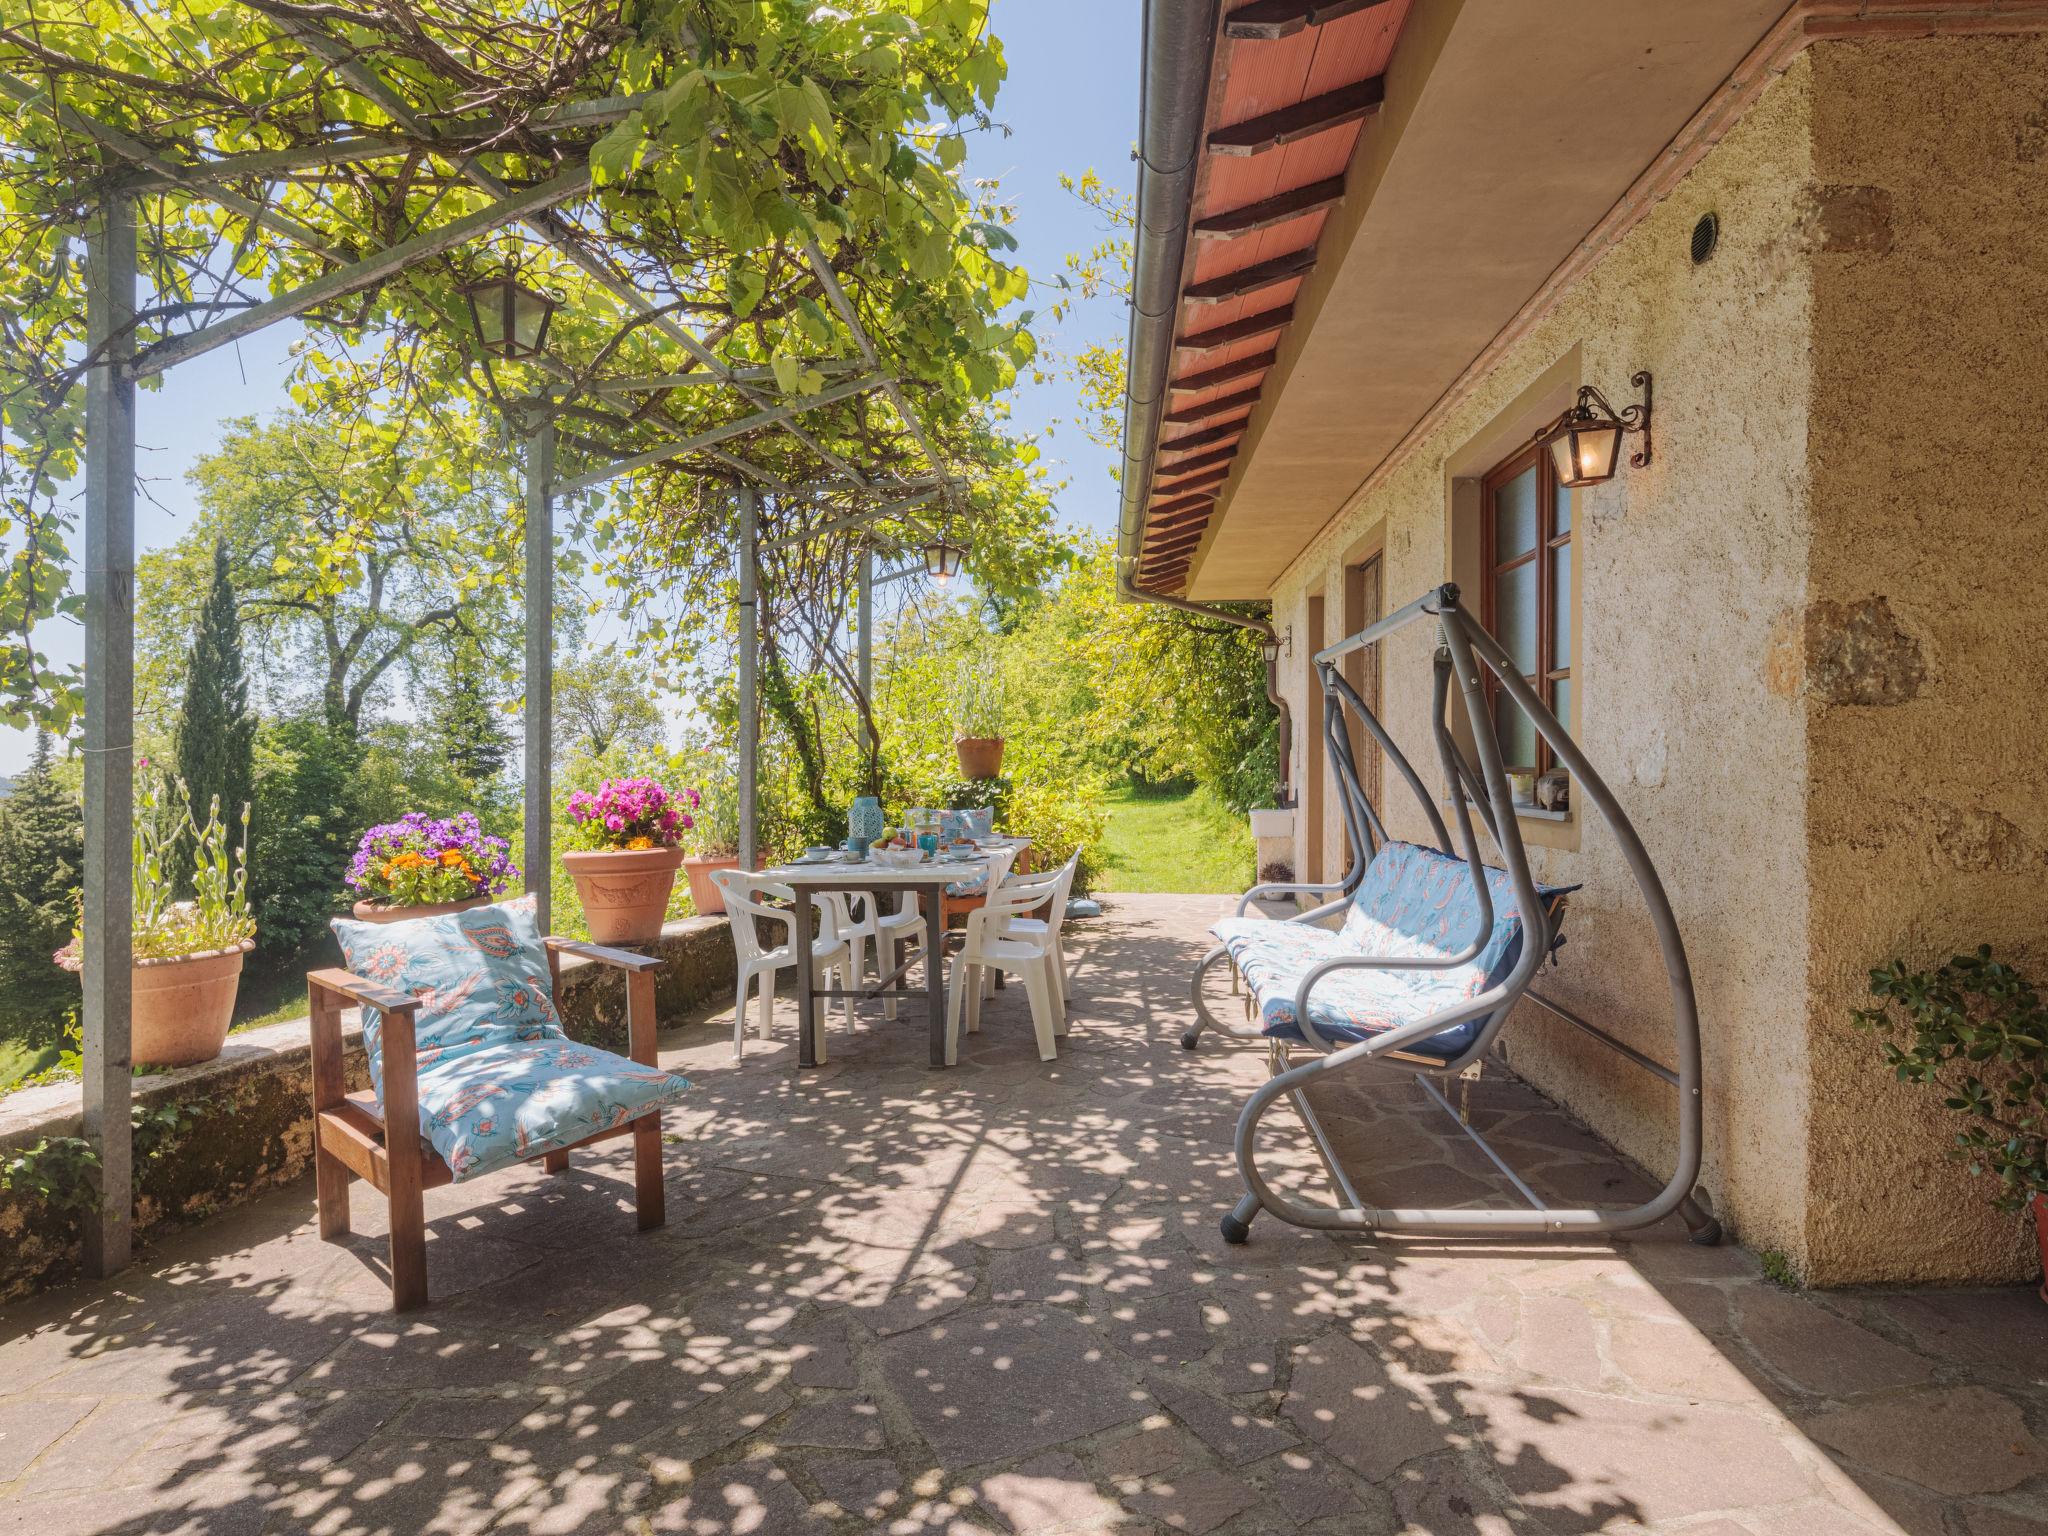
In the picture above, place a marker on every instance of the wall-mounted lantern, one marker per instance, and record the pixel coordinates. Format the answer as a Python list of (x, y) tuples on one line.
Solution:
[(511, 319), (1585, 442), (1271, 647)]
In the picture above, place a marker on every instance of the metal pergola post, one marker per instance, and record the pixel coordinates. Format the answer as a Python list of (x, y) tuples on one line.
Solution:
[(749, 681), (864, 615), (107, 913), (540, 671)]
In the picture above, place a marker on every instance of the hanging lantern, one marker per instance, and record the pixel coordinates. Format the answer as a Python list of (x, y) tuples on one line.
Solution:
[(1585, 442), (943, 557), (511, 319)]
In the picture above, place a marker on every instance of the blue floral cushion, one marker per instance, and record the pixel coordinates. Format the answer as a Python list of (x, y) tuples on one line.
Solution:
[(1414, 903), (498, 1079)]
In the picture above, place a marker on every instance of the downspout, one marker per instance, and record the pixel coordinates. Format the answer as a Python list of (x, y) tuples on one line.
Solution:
[(1178, 50)]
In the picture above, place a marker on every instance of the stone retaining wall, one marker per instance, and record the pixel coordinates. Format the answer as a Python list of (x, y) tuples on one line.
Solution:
[(248, 1125)]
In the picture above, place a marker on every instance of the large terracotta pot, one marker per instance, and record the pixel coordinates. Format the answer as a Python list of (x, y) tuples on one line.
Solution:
[(981, 757), (624, 893), (377, 912), (183, 1006), (2041, 1236), (705, 895)]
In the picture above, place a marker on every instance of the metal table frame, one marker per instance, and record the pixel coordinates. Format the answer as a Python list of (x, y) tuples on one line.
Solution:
[(928, 882)]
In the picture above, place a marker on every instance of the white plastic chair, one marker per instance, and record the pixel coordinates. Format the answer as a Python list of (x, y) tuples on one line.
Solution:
[(988, 949), (831, 954), (1052, 929), (896, 934)]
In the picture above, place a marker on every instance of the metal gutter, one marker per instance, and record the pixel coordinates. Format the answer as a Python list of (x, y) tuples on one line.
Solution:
[(1179, 51)]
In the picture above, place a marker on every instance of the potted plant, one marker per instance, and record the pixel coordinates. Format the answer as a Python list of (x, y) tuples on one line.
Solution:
[(1276, 873), (626, 846), (1975, 1031), (418, 866), (978, 718), (718, 843), (187, 954)]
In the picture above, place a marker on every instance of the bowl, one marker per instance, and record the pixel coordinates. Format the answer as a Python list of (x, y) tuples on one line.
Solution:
[(897, 858)]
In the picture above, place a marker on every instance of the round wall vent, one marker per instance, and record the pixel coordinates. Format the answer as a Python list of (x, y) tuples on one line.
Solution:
[(1705, 236)]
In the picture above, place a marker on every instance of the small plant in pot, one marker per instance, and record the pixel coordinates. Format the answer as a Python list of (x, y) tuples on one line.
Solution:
[(418, 866), (625, 848), (717, 840), (977, 700), (1975, 1031), (187, 954)]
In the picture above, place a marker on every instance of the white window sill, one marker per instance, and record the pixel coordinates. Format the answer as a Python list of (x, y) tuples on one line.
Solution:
[(1524, 812)]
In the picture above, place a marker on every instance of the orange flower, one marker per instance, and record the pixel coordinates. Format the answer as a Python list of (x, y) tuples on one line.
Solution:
[(639, 844)]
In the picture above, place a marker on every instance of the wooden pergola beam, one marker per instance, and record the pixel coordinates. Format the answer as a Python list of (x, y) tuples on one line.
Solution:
[(1269, 211), (1318, 114), (1224, 373), (1247, 281), (1264, 323), (1271, 20)]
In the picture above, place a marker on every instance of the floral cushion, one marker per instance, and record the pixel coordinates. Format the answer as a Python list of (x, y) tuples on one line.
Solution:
[(498, 1079), (1414, 903)]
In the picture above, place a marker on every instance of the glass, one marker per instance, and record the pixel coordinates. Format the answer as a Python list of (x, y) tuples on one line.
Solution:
[(1515, 613), (1561, 606), (1517, 735), (1561, 702), (1564, 513), (1514, 517)]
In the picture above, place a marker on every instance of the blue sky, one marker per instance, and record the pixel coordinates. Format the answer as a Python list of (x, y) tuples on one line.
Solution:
[(1071, 102)]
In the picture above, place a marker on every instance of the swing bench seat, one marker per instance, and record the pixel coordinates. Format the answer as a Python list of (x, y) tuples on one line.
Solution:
[(1413, 903)]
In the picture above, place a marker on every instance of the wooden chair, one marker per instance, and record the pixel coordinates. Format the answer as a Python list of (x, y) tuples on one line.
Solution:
[(349, 1132)]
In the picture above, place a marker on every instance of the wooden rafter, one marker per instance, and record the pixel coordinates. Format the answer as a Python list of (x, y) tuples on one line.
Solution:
[(1270, 20), (1205, 460), (1247, 281), (1187, 415), (1318, 114), (1224, 373), (1207, 478), (1177, 509), (1264, 323), (1269, 211), (1206, 439)]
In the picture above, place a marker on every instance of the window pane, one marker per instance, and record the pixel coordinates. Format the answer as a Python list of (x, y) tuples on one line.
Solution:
[(1561, 701), (1514, 516), (1517, 735), (1514, 613), (1564, 513), (1561, 606)]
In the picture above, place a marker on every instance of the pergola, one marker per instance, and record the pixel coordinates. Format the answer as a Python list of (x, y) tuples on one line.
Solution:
[(640, 389)]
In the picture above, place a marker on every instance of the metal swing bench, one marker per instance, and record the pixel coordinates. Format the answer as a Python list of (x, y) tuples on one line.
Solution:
[(1434, 952)]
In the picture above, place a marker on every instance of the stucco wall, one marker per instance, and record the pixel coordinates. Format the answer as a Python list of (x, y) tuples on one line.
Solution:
[(1848, 404), (1929, 799), (1681, 568)]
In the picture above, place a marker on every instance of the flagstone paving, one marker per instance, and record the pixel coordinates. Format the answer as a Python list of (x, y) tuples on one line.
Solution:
[(995, 1300)]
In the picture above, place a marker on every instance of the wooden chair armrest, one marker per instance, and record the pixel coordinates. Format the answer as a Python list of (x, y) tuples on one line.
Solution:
[(604, 954), (371, 994)]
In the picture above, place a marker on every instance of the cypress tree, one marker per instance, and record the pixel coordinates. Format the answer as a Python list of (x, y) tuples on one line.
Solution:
[(214, 744), (466, 724), (42, 855)]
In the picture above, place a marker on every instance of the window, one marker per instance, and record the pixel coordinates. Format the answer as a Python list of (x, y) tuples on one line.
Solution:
[(1526, 523)]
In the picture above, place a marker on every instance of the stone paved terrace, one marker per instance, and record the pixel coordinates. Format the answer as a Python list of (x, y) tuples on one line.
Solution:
[(995, 1300)]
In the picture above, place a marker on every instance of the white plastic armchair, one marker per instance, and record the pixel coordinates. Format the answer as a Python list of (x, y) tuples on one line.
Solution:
[(1028, 956), (832, 955), (1059, 884)]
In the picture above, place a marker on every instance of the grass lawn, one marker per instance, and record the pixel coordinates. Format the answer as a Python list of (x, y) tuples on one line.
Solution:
[(1182, 842)]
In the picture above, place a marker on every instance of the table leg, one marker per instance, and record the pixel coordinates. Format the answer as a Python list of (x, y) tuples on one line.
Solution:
[(806, 1004), (935, 969)]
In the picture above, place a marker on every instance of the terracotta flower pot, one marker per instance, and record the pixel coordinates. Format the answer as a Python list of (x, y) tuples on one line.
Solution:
[(377, 912), (624, 892), (183, 1006), (704, 892), (2041, 1236), (981, 757)]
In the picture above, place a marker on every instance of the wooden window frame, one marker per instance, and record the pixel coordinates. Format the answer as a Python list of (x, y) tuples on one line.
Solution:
[(1548, 540)]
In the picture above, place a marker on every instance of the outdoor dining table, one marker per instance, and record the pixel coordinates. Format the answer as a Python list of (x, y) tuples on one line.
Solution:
[(867, 877)]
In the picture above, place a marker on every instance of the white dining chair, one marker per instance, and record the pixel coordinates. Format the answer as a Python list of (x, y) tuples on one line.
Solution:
[(897, 935), (1052, 928), (831, 954), (1027, 956)]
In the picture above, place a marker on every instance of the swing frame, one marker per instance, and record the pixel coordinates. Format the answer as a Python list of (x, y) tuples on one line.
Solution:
[(1464, 648)]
